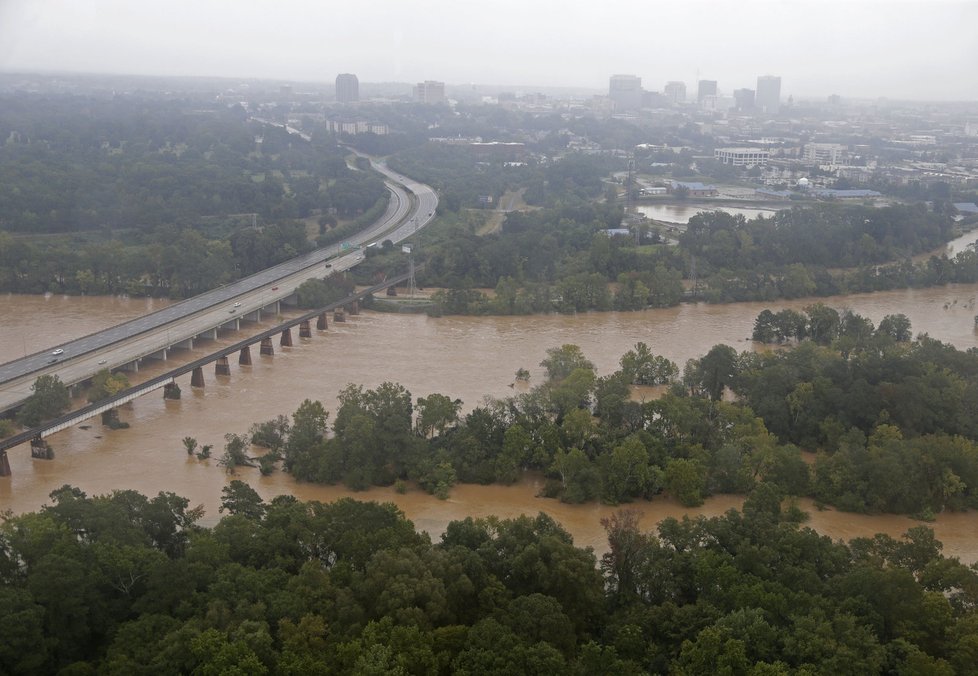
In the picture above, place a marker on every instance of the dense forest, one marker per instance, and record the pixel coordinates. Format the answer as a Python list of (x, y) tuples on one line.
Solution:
[(125, 584), (563, 259), (887, 423), (149, 195), (827, 235), (462, 175)]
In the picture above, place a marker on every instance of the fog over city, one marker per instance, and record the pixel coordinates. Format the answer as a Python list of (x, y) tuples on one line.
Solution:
[(856, 48)]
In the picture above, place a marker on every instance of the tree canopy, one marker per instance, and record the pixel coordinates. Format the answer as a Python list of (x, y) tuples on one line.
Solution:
[(122, 583)]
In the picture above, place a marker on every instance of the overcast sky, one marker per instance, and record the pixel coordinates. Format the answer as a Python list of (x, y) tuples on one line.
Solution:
[(921, 49)]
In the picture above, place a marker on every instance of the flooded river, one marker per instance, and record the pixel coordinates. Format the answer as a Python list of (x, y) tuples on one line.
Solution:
[(464, 357), (681, 213)]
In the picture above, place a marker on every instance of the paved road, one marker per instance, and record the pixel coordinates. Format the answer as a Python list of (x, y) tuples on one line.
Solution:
[(412, 205), (426, 203)]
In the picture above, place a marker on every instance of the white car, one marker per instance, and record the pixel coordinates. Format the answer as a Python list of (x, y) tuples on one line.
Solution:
[(57, 352), (237, 305)]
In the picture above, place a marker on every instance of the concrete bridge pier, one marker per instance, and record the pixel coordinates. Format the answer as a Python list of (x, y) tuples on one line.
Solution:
[(339, 315), (266, 347), (160, 355), (171, 391), (131, 366), (305, 331), (4, 464), (197, 377), (187, 344), (354, 308), (209, 334), (41, 449), (286, 339), (221, 367), (252, 316), (321, 324), (110, 419), (244, 358)]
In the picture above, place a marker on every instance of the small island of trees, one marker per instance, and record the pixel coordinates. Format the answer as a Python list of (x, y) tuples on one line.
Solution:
[(854, 416)]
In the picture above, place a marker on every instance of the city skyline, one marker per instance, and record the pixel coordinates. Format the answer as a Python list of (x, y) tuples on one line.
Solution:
[(857, 49)]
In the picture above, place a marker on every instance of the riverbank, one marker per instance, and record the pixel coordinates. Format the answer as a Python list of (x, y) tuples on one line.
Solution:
[(461, 357)]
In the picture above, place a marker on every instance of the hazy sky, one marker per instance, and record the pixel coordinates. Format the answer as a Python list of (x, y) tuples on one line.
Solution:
[(922, 49)]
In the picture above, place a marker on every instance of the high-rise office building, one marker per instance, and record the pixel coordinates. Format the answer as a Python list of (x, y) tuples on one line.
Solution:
[(768, 98), (675, 91), (347, 88), (429, 91), (625, 91), (705, 88), (744, 100)]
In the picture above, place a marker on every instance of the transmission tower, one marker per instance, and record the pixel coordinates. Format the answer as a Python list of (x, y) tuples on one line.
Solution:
[(629, 183), (412, 286)]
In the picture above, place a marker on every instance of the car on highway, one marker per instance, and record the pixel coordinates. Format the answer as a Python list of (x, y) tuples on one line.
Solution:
[(232, 310), (237, 305), (274, 288), (57, 352), (52, 360), (101, 361)]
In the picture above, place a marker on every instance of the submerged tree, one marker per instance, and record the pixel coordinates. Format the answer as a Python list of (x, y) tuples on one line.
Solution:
[(50, 399)]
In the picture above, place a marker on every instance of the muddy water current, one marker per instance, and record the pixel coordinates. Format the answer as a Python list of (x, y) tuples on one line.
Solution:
[(464, 357)]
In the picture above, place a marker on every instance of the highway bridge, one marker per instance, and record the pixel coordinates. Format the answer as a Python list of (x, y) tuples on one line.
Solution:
[(412, 206), (283, 331)]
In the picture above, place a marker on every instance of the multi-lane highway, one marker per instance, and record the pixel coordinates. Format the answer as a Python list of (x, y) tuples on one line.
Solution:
[(424, 197), (412, 205)]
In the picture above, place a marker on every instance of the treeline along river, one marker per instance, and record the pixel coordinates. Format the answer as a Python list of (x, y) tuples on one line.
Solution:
[(462, 357)]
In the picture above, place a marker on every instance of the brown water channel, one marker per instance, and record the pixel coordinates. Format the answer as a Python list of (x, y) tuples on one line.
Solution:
[(464, 357)]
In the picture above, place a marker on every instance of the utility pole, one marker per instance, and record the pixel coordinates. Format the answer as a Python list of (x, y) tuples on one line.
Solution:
[(628, 185), (412, 286)]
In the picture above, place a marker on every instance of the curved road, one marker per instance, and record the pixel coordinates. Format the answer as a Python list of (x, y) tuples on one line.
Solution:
[(412, 206)]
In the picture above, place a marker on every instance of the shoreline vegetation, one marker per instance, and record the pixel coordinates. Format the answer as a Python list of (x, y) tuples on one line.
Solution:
[(562, 261), (888, 419), (124, 583)]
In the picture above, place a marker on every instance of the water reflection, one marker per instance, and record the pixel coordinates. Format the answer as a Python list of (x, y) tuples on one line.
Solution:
[(681, 213)]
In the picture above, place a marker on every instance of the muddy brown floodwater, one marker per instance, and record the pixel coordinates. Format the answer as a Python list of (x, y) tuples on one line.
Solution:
[(464, 357)]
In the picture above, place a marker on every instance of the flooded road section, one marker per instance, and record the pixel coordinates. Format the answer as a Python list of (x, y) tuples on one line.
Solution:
[(463, 357)]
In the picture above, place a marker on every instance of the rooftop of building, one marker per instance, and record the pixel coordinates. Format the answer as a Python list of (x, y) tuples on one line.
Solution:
[(743, 149), (693, 185), (833, 192)]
